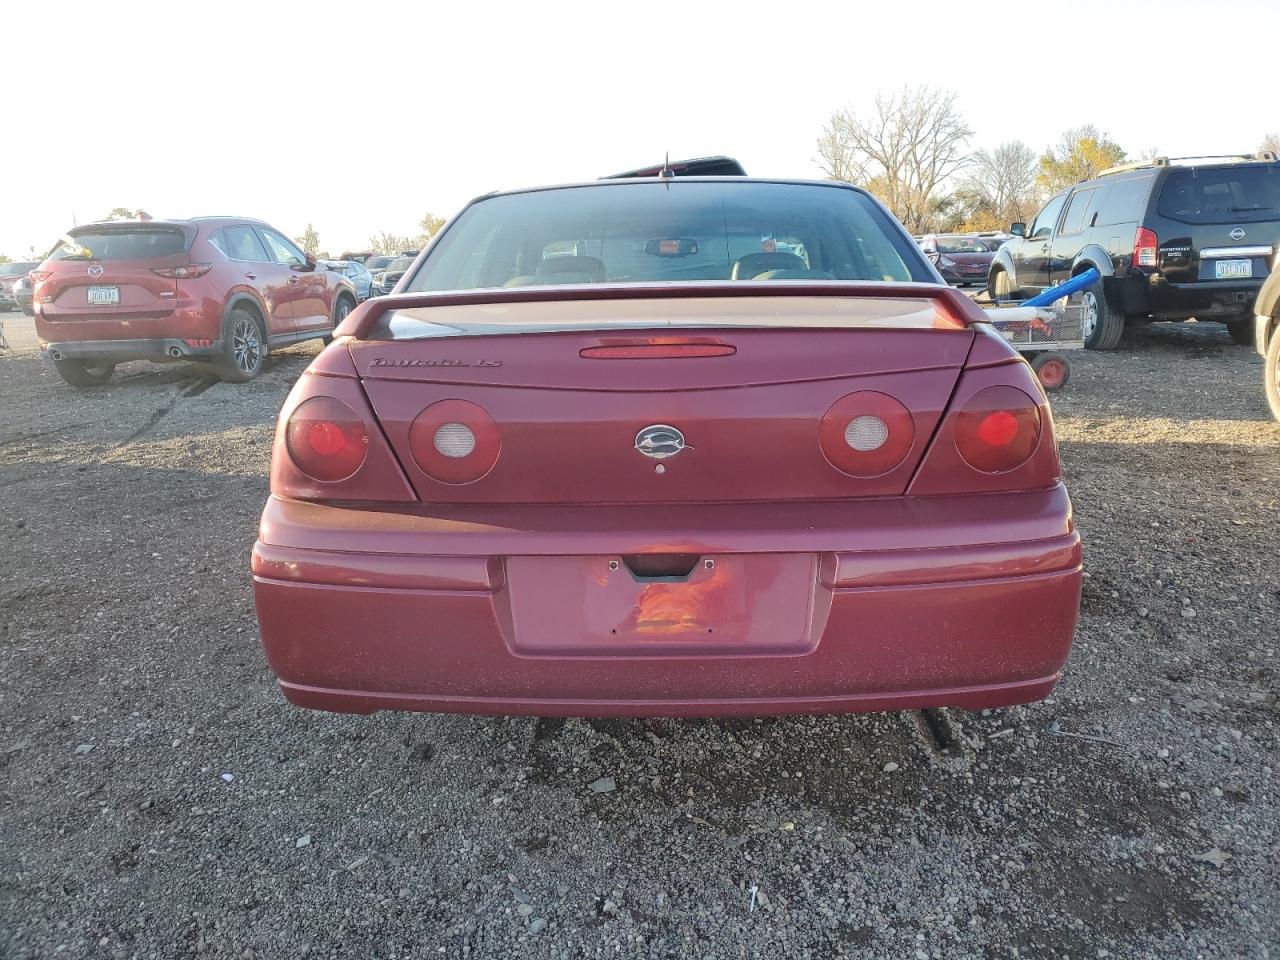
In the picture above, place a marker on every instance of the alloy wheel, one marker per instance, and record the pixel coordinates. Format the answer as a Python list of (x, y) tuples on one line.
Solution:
[(246, 346), (1088, 314)]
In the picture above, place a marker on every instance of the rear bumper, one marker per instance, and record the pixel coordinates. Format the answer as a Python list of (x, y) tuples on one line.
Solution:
[(966, 601), (1204, 300), (119, 351)]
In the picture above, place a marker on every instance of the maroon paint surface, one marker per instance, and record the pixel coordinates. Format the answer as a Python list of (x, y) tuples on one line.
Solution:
[(814, 590)]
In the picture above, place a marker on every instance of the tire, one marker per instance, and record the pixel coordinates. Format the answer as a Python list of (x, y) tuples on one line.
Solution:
[(1101, 326), (1271, 371), (341, 307), (1052, 369), (1241, 331), (85, 373), (244, 347), (999, 287)]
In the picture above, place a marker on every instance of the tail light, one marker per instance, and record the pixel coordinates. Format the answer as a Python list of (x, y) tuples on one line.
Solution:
[(866, 434), (997, 429), (1146, 248), (454, 441), (187, 271), (326, 439), (39, 276)]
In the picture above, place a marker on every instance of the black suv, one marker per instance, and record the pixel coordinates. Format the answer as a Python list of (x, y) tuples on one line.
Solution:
[(1172, 240)]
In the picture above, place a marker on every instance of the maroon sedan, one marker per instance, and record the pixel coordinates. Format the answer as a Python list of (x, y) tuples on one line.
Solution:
[(221, 290), (687, 447), (960, 260)]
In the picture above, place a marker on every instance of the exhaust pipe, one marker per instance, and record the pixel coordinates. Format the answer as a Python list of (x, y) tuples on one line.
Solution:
[(175, 353), (57, 354)]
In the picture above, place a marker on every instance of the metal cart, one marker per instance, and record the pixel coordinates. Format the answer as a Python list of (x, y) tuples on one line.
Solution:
[(1045, 325)]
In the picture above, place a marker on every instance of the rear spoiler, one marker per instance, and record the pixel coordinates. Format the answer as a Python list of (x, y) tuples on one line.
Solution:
[(959, 310)]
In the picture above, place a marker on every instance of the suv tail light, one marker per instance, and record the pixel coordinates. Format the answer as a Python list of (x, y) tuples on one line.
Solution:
[(1146, 248), (326, 439), (187, 271), (997, 429), (39, 276), (454, 441)]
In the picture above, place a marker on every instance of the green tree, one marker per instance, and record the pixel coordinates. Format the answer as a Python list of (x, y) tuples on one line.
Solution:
[(5, 259), (1081, 154), (309, 241), (430, 225), (122, 213)]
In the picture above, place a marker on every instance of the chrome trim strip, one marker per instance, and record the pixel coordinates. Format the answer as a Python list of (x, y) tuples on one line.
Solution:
[(1214, 253)]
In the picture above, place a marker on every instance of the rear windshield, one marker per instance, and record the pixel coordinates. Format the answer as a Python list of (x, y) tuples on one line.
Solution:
[(120, 243), (16, 269), (1240, 194), (403, 263), (646, 232)]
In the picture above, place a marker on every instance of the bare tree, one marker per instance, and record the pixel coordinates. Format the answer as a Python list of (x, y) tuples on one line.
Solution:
[(1000, 186), (836, 156), (309, 241), (904, 150), (1271, 142)]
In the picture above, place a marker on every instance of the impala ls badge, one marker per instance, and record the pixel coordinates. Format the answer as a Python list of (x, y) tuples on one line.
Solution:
[(660, 441), (95, 270), (1237, 233)]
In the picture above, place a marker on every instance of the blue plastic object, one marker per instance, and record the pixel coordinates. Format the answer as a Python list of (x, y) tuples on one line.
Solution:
[(1074, 285)]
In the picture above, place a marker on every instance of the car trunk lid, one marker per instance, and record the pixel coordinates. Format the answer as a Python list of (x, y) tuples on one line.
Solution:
[(625, 401)]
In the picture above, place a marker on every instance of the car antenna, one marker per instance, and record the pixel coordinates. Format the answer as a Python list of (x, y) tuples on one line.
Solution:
[(666, 173)]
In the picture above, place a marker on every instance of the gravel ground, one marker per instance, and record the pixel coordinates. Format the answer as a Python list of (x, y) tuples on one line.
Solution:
[(160, 798)]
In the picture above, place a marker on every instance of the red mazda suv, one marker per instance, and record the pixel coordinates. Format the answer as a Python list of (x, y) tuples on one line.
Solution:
[(223, 290)]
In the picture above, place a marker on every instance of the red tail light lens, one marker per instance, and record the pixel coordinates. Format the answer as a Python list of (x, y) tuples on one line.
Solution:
[(187, 271), (327, 440), (1146, 248), (454, 441), (657, 351), (998, 429), (866, 434)]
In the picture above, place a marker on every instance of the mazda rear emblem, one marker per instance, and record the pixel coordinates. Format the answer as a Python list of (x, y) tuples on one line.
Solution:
[(660, 441), (1237, 233), (95, 270)]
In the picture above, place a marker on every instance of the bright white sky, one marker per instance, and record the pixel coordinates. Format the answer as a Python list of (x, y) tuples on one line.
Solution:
[(363, 117)]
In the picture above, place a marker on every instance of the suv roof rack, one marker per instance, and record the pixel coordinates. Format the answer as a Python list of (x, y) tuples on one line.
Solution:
[(1266, 156)]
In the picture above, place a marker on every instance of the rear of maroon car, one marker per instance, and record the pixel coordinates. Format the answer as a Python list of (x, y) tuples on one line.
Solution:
[(694, 448), (128, 290)]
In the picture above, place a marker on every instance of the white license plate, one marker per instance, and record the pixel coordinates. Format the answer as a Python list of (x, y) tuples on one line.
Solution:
[(1232, 269), (104, 296)]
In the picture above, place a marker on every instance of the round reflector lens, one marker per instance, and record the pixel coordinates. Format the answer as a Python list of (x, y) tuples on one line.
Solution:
[(454, 440), (326, 439), (998, 429), (866, 433)]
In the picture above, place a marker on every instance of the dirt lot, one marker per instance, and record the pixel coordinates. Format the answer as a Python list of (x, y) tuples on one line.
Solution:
[(160, 799)]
